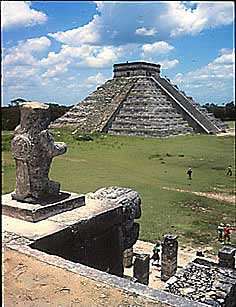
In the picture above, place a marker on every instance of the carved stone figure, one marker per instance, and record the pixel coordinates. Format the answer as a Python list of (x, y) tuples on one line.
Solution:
[(33, 149)]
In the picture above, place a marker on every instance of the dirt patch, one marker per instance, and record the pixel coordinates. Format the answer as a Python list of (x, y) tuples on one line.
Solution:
[(211, 195), (31, 283)]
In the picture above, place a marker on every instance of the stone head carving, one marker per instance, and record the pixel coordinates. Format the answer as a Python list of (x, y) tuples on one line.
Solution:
[(33, 148)]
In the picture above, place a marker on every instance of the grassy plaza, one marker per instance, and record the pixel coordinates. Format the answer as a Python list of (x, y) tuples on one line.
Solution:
[(156, 168)]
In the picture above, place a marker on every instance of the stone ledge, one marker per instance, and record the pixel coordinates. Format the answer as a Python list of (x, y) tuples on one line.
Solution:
[(158, 296), (37, 212)]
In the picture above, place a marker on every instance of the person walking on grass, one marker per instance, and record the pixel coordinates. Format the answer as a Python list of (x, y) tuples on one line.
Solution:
[(220, 230), (229, 171), (189, 173), (227, 234), (155, 257)]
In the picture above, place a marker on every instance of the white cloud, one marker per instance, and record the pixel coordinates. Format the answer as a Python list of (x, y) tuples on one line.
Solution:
[(103, 57), (56, 70), (168, 64), (145, 32), (57, 74), (112, 25), (85, 56), (23, 52), (93, 81), (89, 33), (225, 58), (21, 73), (19, 13), (152, 52), (183, 19), (215, 79), (157, 48)]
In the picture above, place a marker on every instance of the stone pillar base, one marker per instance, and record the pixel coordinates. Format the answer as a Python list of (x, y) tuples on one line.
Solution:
[(40, 211)]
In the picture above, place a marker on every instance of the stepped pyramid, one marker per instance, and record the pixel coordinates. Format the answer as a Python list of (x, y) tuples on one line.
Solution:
[(137, 101)]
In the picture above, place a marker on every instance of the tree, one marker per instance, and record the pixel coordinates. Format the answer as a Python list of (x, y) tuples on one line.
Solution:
[(230, 112)]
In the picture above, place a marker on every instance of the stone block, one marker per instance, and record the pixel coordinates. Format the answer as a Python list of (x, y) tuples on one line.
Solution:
[(41, 210), (141, 268), (227, 257)]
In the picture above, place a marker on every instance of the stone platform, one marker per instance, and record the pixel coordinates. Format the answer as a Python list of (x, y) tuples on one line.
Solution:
[(40, 211)]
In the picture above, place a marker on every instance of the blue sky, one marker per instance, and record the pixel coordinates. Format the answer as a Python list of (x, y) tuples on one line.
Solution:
[(60, 51)]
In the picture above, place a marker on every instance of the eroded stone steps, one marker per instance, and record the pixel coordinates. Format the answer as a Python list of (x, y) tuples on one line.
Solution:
[(148, 116), (148, 111), (141, 127), (146, 122), (95, 110), (151, 132)]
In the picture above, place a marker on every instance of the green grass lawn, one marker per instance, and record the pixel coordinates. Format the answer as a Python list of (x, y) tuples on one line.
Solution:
[(147, 165)]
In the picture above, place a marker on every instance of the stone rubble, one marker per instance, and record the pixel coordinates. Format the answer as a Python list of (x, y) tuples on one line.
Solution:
[(205, 282)]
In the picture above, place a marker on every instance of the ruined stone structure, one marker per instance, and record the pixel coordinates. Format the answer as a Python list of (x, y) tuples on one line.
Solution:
[(205, 282), (33, 149), (137, 101)]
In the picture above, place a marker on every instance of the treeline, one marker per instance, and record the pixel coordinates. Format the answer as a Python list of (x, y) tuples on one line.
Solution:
[(226, 112), (11, 114)]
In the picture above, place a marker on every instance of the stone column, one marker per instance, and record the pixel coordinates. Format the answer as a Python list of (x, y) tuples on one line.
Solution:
[(169, 256), (226, 257), (141, 268)]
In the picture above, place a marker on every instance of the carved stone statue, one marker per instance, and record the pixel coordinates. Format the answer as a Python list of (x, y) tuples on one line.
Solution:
[(33, 149)]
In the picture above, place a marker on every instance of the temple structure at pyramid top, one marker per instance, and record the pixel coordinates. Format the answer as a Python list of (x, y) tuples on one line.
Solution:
[(138, 101), (136, 69)]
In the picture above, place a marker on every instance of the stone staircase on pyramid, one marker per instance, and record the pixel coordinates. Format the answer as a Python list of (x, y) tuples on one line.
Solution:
[(96, 111), (137, 101), (216, 121), (147, 111), (198, 116)]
